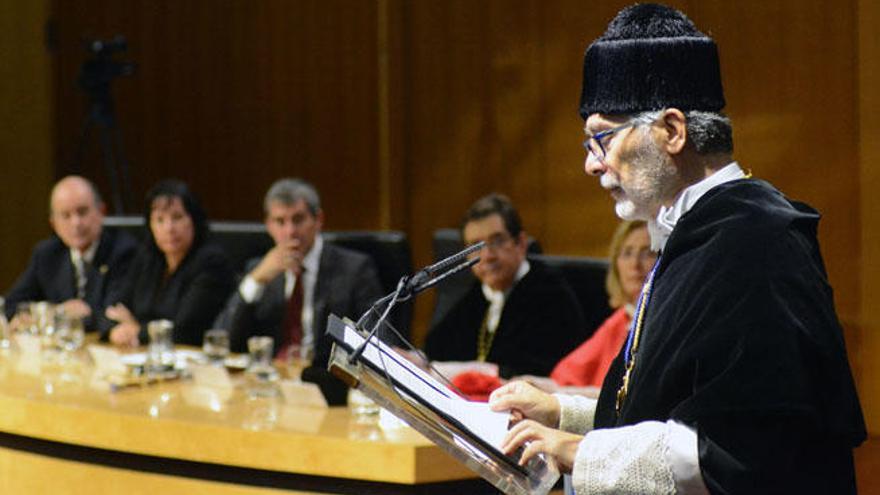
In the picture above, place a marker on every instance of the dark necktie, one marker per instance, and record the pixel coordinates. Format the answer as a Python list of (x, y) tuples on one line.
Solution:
[(293, 331), (81, 271)]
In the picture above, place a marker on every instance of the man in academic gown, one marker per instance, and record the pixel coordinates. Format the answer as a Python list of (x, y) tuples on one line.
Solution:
[(519, 313), (735, 377), (82, 264)]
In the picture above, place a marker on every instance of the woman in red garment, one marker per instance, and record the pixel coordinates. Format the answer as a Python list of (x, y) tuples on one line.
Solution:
[(631, 260)]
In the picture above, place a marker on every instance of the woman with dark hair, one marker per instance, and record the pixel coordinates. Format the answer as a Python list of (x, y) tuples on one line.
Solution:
[(177, 275)]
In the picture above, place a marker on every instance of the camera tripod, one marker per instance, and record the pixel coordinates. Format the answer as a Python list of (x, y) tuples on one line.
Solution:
[(95, 77)]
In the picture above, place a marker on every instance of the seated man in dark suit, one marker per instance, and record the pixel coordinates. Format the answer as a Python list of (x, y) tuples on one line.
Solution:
[(82, 264), (521, 315), (289, 293)]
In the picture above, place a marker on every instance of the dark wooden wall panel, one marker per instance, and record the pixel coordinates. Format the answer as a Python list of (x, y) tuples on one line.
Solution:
[(26, 134), (232, 95), (868, 456)]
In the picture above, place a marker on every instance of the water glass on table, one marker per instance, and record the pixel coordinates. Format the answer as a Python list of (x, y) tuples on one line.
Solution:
[(43, 318), (23, 320), (215, 346), (160, 352), (261, 374), (69, 332)]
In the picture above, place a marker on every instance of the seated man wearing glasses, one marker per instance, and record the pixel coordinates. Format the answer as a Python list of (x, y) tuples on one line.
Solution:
[(518, 314)]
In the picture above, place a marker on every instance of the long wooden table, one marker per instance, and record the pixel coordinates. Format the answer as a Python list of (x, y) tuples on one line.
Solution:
[(63, 431)]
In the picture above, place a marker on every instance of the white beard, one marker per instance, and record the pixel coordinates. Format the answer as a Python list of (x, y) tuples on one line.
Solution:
[(627, 210), (652, 174)]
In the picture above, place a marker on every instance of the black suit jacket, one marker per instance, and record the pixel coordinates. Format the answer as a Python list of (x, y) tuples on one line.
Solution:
[(347, 285), (191, 297), (50, 275), (541, 322)]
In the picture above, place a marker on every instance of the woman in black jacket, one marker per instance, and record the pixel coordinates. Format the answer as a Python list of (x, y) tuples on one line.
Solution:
[(176, 275)]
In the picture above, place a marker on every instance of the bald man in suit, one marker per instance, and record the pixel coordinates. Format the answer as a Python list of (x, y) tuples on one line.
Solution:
[(81, 264)]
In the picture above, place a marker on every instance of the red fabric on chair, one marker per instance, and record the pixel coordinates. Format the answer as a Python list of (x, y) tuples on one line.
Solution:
[(588, 364), (475, 385)]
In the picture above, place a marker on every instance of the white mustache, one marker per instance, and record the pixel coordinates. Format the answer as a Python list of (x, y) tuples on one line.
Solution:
[(608, 182)]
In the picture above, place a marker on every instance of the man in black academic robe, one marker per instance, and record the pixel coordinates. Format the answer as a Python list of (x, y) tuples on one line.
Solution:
[(519, 313), (734, 377), (751, 353)]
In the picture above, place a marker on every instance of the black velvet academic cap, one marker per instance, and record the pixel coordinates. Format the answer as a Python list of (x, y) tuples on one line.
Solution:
[(651, 57)]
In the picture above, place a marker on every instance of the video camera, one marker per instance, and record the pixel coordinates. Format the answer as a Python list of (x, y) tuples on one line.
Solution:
[(97, 71), (106, 48)]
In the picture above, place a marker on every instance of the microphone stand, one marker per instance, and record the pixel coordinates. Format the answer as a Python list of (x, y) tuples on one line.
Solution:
[(436, 280), (401, 285), (408, 287)]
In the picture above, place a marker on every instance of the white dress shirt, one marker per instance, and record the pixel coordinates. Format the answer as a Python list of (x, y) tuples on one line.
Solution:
[(252, 291), (497, 298), (661, 227)]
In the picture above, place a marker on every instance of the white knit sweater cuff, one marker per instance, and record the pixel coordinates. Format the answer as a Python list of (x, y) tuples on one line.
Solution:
[(649, 458), (629, 460), (576, 413)]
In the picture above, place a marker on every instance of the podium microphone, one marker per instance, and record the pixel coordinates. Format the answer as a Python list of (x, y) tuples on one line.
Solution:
[(442, 266), (439, 278), (423, 278), (408, 287)]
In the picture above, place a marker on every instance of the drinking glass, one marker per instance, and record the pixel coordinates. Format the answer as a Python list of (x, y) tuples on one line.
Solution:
[(260, 413), (43, 318), (261, 375), (160, 353), (69, 332), (23, 320), (215, 346)]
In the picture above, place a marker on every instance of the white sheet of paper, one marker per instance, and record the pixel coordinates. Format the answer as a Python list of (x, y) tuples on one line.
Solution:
[(29, 364), (416, 379), (107, 361), (28, 344), (475, 416), (302, 394), (206, 375), (478, 417), (182, 358)]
